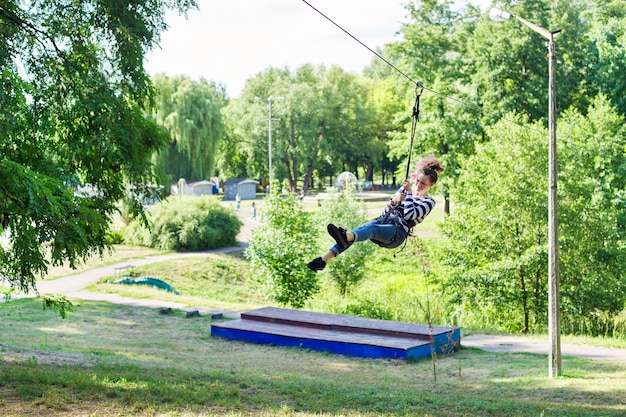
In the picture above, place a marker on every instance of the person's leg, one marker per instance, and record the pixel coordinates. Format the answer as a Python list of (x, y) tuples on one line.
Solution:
[(319, 264), (374, 230)]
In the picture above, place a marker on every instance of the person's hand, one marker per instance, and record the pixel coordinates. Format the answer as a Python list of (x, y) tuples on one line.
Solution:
[(406, 185)]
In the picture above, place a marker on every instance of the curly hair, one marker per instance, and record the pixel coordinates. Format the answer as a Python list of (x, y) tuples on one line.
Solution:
[(429, 166)]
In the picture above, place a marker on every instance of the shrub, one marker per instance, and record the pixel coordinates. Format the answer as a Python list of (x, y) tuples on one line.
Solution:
[(347, 269), (186, 224), (279, 249)]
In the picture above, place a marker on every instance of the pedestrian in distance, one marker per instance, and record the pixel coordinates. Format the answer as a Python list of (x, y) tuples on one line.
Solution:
[(409, 206)]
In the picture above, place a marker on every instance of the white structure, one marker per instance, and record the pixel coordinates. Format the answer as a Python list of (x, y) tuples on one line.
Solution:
[(244, 186), (347, 181), (194, 188)]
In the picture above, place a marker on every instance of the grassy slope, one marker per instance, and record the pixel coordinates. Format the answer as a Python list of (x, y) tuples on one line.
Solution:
[(107, 360), (110, 360)]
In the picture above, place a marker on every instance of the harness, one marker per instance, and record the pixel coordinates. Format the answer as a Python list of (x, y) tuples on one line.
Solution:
[(394, 217)]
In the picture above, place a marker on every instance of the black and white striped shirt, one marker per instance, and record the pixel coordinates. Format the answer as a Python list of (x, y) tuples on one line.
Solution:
[(411, 211)]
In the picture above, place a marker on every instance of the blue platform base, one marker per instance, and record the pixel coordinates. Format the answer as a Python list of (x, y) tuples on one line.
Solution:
[(346, 335)]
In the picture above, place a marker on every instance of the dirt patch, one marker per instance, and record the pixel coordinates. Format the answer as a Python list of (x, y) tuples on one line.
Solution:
[(44, 357)]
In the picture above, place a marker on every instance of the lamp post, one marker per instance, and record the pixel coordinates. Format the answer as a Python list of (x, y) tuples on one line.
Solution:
[(269, 110), (269, 131), (554, 319)]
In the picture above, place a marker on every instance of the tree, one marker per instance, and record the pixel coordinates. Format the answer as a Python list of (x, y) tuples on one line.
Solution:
[(191, 112), (320, 118), (495, 256), (278, 249), (73, 98), (432, 51), (608, 37), (592, 214)]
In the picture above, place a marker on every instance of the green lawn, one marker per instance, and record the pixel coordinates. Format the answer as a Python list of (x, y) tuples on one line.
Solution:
[(115, 360)]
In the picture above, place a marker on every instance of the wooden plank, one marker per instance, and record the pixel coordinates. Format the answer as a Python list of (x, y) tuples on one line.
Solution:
[(354, 336), (343, 322), (321, 334)]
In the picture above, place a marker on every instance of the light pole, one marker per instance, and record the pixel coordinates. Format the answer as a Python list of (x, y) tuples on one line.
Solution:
[(269, 110), (269, 130), (554, 315)]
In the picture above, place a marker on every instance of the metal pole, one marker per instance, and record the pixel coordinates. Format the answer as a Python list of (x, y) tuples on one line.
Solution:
[(554, 311), (269, 106)]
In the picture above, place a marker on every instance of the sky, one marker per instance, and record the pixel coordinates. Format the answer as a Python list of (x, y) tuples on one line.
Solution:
[(230, 41)]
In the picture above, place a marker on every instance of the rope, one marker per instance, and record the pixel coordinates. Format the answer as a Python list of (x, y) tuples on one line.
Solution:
[(419, 88), (417, 83)]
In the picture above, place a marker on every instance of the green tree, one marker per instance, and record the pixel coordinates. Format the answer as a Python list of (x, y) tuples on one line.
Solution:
[(592, 215), (73, 98), (432, 51), (495, 256), (343, 210), (509, 65), (608, 36), (191, 111), (321, 118), (278, 251)]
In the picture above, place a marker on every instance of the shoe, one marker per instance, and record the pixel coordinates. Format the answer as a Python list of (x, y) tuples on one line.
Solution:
[(339, 234), (316, 264)]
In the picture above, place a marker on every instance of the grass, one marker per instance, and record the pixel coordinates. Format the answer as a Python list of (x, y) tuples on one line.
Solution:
[(120, 253), (217, 281), (115, 360)]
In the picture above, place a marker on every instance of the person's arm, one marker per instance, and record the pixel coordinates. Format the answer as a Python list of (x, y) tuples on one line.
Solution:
[(417, 208), (401, 194)]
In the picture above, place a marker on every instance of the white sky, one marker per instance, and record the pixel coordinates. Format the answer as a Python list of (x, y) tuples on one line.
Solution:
[(230, 41)]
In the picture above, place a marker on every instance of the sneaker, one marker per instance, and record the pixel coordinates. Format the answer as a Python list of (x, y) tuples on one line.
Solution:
[(339, 234), (316, 264)]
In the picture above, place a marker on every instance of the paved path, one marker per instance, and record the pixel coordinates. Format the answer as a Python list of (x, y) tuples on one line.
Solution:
[(73, 286), (495, 343)]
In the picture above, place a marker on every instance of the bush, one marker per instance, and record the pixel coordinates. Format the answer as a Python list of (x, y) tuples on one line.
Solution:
[(186, 224), (279, 250), (115, 237), (347, 269)]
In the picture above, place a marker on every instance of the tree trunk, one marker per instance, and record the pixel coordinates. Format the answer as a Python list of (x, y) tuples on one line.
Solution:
[(309, 172)]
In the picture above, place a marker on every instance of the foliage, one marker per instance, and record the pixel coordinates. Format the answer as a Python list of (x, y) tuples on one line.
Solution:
[(322, 120), (73, 95), (496, 253), (592, 215), (344, 210), (279, 249), (58, 302), (186, 224), (191, 112)]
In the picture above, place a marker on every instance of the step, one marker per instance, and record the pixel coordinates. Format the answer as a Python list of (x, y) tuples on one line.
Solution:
[(354, 336)]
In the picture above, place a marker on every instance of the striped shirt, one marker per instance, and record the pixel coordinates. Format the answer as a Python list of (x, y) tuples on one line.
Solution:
[(411, 211)]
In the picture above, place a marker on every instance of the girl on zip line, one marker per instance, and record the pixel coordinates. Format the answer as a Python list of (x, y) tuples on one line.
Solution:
[(408, 207)]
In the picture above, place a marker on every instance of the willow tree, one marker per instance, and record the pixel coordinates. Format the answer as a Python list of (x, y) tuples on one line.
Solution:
[(191, 112), (73, 94)]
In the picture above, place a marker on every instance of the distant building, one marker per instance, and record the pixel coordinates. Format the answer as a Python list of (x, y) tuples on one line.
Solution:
[(182, 187), (244, 186)]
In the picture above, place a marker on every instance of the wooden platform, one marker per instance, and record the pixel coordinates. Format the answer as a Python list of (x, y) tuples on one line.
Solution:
[(346, 335)]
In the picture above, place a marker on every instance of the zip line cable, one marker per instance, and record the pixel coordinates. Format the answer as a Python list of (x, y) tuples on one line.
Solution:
[(356, 39), (418, 84)]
